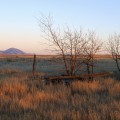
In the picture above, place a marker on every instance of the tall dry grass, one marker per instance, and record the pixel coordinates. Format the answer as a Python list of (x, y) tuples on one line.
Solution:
[(25, 99)]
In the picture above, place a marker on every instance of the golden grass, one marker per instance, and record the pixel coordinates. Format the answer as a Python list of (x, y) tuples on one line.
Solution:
[(86, 87), (9, 71), (23, 99), (99, 56)]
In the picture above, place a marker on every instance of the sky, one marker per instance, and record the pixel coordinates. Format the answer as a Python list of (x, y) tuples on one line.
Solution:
[(19, 27)]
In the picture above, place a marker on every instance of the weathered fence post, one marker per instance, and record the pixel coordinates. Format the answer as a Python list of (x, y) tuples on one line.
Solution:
[(34, 66)]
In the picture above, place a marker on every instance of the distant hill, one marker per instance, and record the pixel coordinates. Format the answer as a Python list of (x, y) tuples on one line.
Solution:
[(1, 52), (12, 51)]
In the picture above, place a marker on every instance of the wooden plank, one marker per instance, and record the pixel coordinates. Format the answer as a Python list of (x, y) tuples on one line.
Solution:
[(81, 76), (34, 66)]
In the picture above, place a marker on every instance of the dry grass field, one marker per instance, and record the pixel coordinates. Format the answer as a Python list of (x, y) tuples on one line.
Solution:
[(25, 98)]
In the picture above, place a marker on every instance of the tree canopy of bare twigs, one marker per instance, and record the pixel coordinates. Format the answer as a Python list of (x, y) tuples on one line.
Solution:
[(93, 46), (72, 45), (114, 48)]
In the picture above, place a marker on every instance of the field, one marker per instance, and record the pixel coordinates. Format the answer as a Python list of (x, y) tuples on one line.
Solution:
[(51, 65), (25, 98)]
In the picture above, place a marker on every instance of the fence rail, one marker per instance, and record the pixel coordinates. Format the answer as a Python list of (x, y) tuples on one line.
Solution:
[(80, 77)]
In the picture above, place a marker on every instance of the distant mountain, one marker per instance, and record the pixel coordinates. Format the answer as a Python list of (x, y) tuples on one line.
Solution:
[(12, 51), (1, 52)]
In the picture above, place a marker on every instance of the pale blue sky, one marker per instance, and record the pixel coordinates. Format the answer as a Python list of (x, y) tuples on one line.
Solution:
[(19, 26)]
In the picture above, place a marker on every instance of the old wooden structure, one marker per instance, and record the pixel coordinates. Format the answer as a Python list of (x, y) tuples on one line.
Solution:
[(34, 66), (68, 79)]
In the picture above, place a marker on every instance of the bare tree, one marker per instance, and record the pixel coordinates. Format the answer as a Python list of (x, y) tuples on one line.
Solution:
[(114, 49), (92, 47), (69, 44)]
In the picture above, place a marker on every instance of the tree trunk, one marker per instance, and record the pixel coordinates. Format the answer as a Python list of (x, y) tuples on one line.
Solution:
[(88, 70), (117, 65)]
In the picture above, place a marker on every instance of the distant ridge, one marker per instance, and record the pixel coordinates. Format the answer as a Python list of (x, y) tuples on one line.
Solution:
[(12, 51)]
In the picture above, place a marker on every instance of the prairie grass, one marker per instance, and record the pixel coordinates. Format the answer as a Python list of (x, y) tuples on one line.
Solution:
[(24, 99)]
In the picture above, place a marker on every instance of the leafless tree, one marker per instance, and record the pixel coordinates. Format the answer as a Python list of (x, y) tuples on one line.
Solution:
[(93, 46), (69, 44), (75, 46), (114, 49)]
